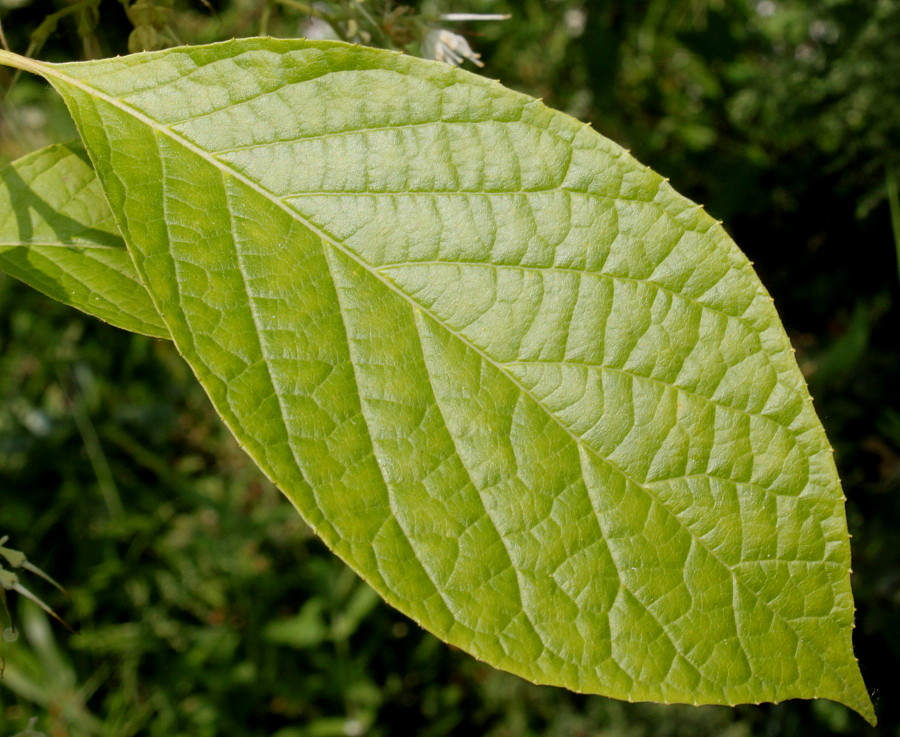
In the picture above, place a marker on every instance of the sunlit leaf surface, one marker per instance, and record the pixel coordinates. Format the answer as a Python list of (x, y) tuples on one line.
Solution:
[(536, 398)]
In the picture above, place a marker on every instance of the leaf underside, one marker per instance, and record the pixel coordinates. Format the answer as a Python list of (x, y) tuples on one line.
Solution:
[(536, 398), (58, 235)]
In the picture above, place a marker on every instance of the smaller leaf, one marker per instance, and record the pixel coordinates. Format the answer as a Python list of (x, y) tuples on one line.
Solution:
[(14, 557), (57, 235), (17, 559), (9, 581)]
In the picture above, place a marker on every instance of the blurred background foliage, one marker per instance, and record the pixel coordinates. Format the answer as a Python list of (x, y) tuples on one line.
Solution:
[(203, 604)]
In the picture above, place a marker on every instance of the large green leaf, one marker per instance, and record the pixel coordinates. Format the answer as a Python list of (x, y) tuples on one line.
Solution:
[(58, 235), (535, 397)]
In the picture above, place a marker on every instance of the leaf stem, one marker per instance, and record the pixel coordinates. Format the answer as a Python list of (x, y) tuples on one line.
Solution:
[(22, 63)]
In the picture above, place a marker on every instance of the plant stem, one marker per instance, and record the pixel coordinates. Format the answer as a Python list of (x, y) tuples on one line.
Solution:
[(96, 457), (264, 19), (894, 203)]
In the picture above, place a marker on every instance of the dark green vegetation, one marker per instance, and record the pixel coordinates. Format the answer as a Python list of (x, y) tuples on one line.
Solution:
[(808, 211)]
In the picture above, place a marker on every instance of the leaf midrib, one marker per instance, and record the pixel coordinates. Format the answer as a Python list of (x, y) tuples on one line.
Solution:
[(53, 72)]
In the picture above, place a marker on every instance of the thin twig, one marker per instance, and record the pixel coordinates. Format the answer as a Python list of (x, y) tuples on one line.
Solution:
[(475, 16), (40, 34), (375, 25)]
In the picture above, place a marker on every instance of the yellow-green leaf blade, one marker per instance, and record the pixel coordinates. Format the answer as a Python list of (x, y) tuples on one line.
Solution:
[(58, 236), (539, 400)]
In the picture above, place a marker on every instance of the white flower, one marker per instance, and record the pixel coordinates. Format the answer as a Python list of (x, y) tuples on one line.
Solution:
[(575, 20), (316, 29), (451, 48)]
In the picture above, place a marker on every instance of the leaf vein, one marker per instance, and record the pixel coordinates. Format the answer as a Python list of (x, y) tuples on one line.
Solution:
[(581, 272)]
